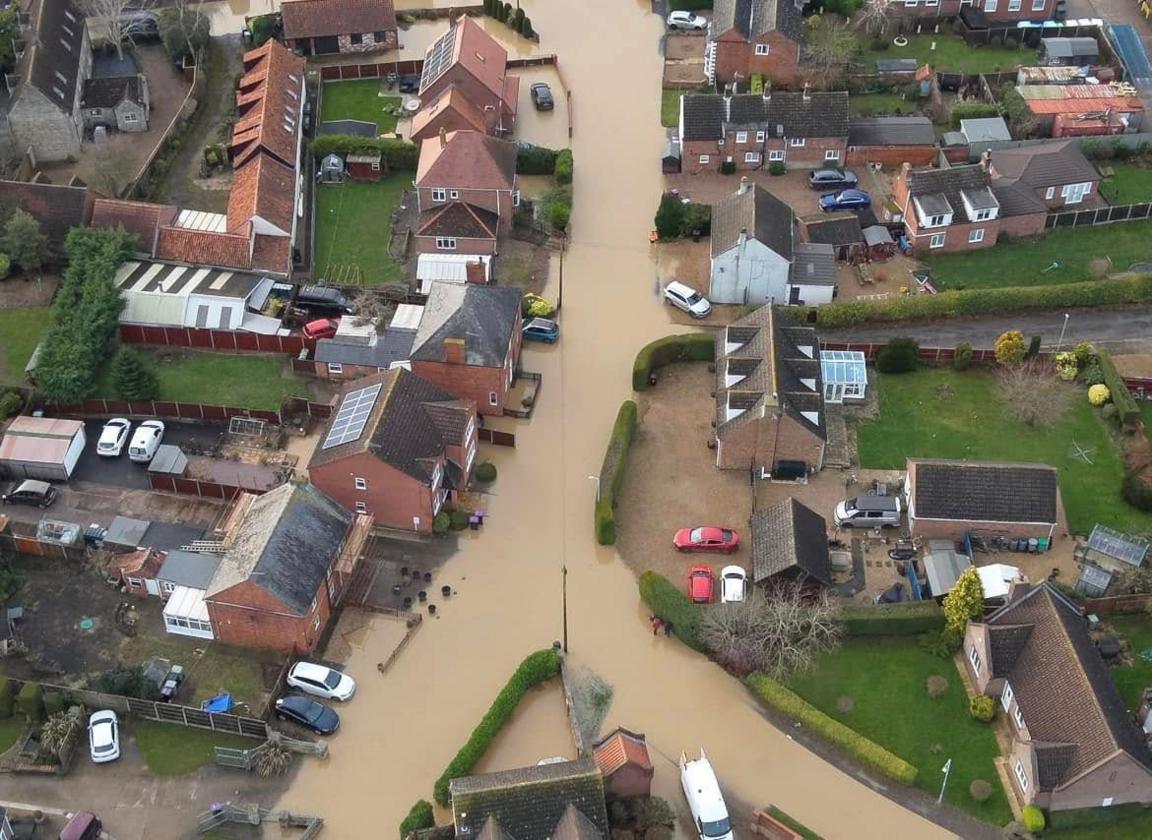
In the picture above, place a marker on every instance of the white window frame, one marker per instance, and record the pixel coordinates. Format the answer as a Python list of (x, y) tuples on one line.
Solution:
[(705, 159), (168, 586), (1074, 193), (775, 155), (316, 622), (990, 5), (1021, 776), (937, 240), (439, 194), (130, 118), (910, 4), (361, 507), (445, 243), (751, 157), (1007, 696), (935, 221), (759, 136), (831, 154), (469, 429), (453, 194), (931, 2), (975, 236), (360, 482), (1038, 5), (135, 582), (516, 198), (1014, 5), (762, 49), (335, 367), (974, 657), (1019, 717), (493, 398), (741, 136), (796, 142), (1050, 193)]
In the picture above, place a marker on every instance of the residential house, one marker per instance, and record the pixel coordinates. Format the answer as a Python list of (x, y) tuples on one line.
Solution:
[(1045, 177), (451, 110), (457, 227), (396, 449), (564, 799), (988, 12), (137, 570), (891, 141), (324, 27), (142, 219), (755, 37), (769, 397), (119, 103), (468, 342), (949, 209), (790, 546), (1073, 744), (360, 347), (950, 498), (755, 258), (191, 569), (1082, 110), (751, 131), (622, 757), (57, 207), (472, 60)]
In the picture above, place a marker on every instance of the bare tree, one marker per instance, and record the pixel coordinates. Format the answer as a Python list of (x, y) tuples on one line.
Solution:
[(111, 167), (120, 20), (873, 17), (1032, 394), (831, 45), (779, 632)]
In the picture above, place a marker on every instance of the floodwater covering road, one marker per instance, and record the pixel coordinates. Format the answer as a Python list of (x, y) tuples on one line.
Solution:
[(404, 726)]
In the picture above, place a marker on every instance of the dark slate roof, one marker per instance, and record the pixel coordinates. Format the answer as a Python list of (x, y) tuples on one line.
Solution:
[(819, 114), (891, 131), (485, 317), (756, 211), (391, 346), (788, 536), (814, 265), (703, 116), (782, 114), (1018, 200), (755, 17), (165, 536), (530, 803), (189, 568), (353, 128), (984, 491), (285, 544), (459, 219), (52, 60), (1006, 642), (933, 187), (57, 207), (1039, 167), (108, 93), (834, 230)]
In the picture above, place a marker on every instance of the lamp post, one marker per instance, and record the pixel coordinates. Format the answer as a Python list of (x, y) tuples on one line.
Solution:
[(564, 600), (947, 770), (596, 478), (1060, 341)]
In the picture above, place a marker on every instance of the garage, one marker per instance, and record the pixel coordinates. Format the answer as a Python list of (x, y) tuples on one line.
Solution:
[(42, 447)]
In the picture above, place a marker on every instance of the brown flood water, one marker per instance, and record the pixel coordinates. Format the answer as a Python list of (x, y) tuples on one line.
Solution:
[(403, 728)]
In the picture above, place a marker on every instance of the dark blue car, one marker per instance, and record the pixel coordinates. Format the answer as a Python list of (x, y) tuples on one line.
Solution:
[(541, 329), (309, 713), (845, 200)]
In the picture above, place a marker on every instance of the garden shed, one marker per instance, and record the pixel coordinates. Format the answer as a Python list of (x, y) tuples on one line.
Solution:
[(331, 169), (42, 447), (943, 565), (1069, 52), (363, 167), (1115, 551), (845, 375)]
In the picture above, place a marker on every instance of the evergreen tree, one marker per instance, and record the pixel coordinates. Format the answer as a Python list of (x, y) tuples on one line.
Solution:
[(518, 20), (131, 377), (24, 243), (526, 28)]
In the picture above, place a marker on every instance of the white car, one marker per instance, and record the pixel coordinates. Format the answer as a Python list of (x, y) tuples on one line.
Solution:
[(686, 20), (104, 736), (688, 299), (146, 441), (113, 437), (321, 681), (733, 584)]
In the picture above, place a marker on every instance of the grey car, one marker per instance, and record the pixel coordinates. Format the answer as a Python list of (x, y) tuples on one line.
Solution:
[(822, 179)]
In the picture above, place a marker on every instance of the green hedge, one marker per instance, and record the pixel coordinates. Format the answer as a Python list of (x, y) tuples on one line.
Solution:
[(563, 167), (536, 668), (686, 347), (6, 698), (397, 154), (30, 701), (775, 695), (612, 472), (1126, 409), (535, 160), (972, 111), (909, 619), (851, 313), (1092, 817), (420, 816), (669, 602)]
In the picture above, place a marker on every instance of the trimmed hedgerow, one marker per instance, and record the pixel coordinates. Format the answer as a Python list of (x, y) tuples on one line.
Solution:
[(419, 816), (30, 701), (666, 601), (686, 347), (396, 154), (1126, 409), (612, 472), (908, 619)]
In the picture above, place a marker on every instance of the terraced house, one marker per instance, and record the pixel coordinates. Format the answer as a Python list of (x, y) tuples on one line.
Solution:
[(749, 37), (984, 11)]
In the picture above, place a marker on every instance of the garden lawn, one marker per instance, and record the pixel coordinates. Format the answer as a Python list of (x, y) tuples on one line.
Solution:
[(359, 100), (353, 227), (10, 729), (1129, 184), (220, 668), (880, 104), (1133, 679), (1022, 263), (670, 107), (951, 54), (20, 332), (886, 679), (972, 423), (172, 750)]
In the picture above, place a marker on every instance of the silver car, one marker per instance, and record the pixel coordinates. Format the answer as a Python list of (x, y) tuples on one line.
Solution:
[(688, 299), (686, 20)]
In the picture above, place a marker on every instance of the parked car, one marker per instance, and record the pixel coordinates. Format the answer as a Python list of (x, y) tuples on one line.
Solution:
[(323, 301), (30, 492), (700, 584), (868, 512), (146, 441), (542, 96), (822, 179), (171, 684), (845, 200), (733, 584), (706, 538), (686, 20), (321, 681), (688, 299), (540, 329), (113, 437), (309, 713), (84, 825), (704, 798), (321, 328), (104, 736)]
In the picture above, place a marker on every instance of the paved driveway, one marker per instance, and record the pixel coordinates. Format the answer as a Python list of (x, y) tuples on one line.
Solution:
[(123, 472)]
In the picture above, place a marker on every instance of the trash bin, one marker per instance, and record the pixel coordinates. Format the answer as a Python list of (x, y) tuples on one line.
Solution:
[(1033, 545)]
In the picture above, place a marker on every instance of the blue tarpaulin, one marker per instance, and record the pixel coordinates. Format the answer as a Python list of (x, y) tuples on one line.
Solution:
[(219, 703)]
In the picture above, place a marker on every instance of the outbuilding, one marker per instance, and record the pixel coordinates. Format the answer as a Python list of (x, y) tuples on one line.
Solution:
[(42, 447), (1069, 52), (168, 294)]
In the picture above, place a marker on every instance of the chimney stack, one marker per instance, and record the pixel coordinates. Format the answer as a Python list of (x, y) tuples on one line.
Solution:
[(985, 159), (744, 185), (454, 351), (474, 272), (1018, 588), (743, 235), (767, 92), (807, 95), (443, 137)]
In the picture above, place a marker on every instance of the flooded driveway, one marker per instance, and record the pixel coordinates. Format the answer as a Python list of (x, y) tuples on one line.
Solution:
[(404, 727)]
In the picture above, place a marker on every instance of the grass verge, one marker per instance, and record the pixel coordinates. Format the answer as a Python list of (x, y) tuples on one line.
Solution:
[(353, 228), (10, 729), (171, 750), (359, 100), (880, 105)]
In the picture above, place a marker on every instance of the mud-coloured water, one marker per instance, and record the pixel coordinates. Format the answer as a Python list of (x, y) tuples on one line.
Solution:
[(402, 728)]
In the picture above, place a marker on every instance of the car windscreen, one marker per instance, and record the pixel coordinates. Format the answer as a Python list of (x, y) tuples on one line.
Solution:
[(850, 506), (313, 712), (716, 828), (727, 535), (333, 679), (696, 534), (695, 297)]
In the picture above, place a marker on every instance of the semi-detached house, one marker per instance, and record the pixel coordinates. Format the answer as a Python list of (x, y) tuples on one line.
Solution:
[(981, 11), (754, 37)]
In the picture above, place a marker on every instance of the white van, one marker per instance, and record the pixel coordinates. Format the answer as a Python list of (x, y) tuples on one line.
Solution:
[(868, 512), (704, 800)]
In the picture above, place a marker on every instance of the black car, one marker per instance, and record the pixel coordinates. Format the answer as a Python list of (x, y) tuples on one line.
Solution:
[(309, 713), (822, 179), (542, 97), (30, 492), (322, 301)]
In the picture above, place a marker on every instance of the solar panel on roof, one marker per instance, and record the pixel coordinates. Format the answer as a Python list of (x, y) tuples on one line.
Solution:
[(438, 59), (352, 416)]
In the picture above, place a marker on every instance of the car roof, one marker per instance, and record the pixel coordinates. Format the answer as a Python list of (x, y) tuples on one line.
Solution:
[(698, 776), (677, 286), (546, 323), (876, 502), (298, 700), (33, 485), (102, 715), (311, 669)]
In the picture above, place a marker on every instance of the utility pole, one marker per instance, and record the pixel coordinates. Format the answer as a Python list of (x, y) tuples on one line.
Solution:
[(564, 596), (947, 770), (596, 478), (1060, 342)]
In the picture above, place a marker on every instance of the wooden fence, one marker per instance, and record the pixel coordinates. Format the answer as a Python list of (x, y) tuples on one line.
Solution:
[(1099, 216), (198, 487), (29, 544), (498, 438), (927, 354), (204, 339), (347, 72), (189, 411), (1118, 604)]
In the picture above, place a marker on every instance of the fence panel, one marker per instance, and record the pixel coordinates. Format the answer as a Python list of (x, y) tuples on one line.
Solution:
[(1099, 216), (1118, 604)]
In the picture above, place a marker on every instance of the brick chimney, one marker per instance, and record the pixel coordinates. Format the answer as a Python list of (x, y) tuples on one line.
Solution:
[(454, 351), (807, 95), (474, 272), (767, 92), (744, 185), (1018, 588), (443, 137)]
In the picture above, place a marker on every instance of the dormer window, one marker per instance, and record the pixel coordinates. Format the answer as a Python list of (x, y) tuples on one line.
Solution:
[(812, 417), (810, 384), (1006, 696), (936, 221), (1018, 717), (807, 349)]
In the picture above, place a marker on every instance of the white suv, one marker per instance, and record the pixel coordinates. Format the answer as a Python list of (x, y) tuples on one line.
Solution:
[(688, 299), (146, 441), (321, 681)]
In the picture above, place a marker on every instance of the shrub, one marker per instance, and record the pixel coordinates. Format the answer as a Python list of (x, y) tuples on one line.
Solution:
[(5, 266), (195, 32), (775, 695), (1098, 395), (686, 347), (10, 404), (668, 602), (131, 377), (936, 686), (980, 790), (419, 816), (6, 698), (526, 28), (1136, 491), (262, 28), (612, 473), (30, 701), (965, 601), (558, 207), (534, 306), (697, 217), (972, 110), (457, 519), (1010, 348), (1067, 366), (669, 217), (982, 708), (900, 355), (536, 160), (908, 619), (563, 167), (1033, 818), (756, 83), (1108, 412), (962, 357), (441, 522), (536, 668), (1033, 348), (777, 167), (23, 241), (486, 472), (53, 703), (128, 682), (1126, 407), (1093, 374)]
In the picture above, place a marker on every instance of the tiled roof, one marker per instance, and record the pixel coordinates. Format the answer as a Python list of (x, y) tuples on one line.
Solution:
[(393, 346), (268, 103), (466, 47), (758, 213), (619, 749), (484, 317), (782, 114), (834, 230), (813, 264), (57, 207), (271, 253), (788, 536), (1017, 200), (459, 219), (204, 247), (262, 186), (320, 18), (108, 93), (940, 191), (983, 491), (755, 17), (137, 217), (467, 160), (574, 825), (703, 116), (51, 61), (450, 105), (891, 131), (1048, 165)]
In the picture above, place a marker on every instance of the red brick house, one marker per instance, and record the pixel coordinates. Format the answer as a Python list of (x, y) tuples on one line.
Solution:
[(468, 342), (1053, 176), (987, 11), (750, 37), (891, 141), (451, 110), (324, 27), (622, 757), (950, 209), (769, 395), (396, 448), (470, 59), (457, 227), (1073, 743), (751, 131)]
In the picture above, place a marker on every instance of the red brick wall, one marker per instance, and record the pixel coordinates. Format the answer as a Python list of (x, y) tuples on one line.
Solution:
[(809, 156), (1023, 227), (498, 201), (248, 616), (392, 497), (893, 157), (760, 443), (427, 245), (812, 154), (736, 59), (473, 382), (951, 8), (630, 780), (945, 529)]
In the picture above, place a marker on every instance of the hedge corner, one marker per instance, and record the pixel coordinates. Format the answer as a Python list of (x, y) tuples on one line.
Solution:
[(686, 347), (612, 472)]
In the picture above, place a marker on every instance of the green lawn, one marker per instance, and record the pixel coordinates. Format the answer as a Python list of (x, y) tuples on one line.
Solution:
[(915, 421), (353, 226), (886, 677), (880, 105), (1133, 679), (220, 668), (670, 107), (951, 54), (20, 331), (1130, 183), (1024, 263), (171, 750), (359, 100), (10, 729)]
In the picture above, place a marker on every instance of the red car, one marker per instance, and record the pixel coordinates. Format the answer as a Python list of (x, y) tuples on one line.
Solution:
[(706, 538), (321, 328), (700, 585)]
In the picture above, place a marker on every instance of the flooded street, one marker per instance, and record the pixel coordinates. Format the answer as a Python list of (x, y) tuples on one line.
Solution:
[(404, 726)]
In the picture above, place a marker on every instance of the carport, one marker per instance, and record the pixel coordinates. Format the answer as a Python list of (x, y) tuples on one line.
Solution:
[(186, 614)]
